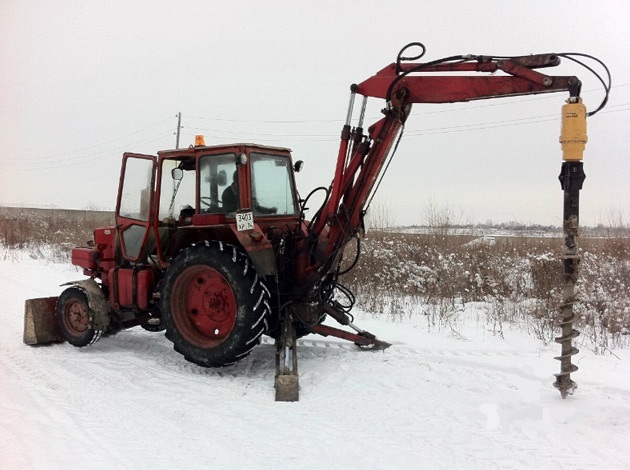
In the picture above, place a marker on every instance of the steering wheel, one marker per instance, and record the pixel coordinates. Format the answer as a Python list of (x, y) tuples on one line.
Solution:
[(207, 201)]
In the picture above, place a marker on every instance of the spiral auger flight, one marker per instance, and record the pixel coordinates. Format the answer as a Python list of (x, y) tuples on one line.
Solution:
[(563, 382)]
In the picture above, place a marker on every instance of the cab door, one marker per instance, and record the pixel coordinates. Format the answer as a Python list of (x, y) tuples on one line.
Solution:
[(134, 208)]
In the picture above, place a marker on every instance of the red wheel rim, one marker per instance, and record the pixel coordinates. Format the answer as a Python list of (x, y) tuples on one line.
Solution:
[(203, 306), (76, 318)]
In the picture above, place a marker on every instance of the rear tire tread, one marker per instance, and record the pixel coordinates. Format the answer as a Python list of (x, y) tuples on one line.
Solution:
[(252, 304)]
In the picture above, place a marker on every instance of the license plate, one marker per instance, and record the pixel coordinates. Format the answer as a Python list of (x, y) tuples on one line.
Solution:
[(244, 221)]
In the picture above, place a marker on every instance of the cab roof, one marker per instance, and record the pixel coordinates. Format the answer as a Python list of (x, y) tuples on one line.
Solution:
[(213, 148)]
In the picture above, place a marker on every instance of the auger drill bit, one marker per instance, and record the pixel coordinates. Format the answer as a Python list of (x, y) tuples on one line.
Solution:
[(573, 140)]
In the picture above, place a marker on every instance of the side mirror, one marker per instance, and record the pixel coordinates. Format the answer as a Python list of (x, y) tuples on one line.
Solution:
[(177, 174), (297, 167)]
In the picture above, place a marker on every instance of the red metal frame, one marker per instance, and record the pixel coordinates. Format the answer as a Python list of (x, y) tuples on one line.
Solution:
[(403, 84)]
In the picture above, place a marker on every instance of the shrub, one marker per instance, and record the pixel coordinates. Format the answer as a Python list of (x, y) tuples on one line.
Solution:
[(519, 279), (60, 229)]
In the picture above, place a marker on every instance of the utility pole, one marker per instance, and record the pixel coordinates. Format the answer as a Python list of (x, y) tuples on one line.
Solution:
[(179, 126)]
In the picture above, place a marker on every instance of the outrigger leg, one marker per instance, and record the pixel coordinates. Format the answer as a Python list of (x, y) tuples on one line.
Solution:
[(287, 384), (361, 338)]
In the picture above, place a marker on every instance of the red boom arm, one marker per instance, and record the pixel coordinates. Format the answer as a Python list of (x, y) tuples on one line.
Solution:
[(401, 85)]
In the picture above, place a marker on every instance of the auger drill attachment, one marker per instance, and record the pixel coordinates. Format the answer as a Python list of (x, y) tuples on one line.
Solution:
[(573, 140)]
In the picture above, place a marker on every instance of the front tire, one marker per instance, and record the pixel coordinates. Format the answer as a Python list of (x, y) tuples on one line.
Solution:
[(73, 318), (213, 304)]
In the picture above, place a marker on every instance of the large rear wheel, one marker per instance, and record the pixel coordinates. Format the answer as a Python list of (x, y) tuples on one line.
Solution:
[(213, 304)]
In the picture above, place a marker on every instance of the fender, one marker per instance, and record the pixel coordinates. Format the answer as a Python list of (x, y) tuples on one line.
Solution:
[(258, 248)]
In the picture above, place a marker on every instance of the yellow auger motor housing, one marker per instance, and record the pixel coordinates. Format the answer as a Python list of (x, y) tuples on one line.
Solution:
[(573, 136)]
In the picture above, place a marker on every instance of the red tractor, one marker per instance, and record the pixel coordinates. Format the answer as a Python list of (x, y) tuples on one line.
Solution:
[(211, 243)]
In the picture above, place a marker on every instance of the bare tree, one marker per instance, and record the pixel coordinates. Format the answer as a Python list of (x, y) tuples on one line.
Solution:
[(379, 216), (441, 218)]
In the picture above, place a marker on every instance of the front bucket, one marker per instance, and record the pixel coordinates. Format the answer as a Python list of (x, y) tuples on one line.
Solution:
[(40, 324)]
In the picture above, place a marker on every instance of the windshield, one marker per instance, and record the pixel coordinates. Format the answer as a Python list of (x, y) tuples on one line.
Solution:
[(272, 185)]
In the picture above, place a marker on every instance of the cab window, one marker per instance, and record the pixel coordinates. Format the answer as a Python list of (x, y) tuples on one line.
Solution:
[(272, 185), (136, 189), (177, 190), (218, 190)]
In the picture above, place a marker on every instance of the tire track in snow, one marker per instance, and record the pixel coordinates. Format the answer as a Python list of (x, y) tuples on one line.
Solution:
[(153, 352), (501, 380), (54, 397), (79, 392)]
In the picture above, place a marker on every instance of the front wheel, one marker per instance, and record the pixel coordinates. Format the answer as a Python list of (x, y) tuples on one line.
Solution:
[(73, 318), (213, 304)]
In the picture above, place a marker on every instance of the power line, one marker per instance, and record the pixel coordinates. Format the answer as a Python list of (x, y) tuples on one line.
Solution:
[(48, 157), (416, 132), (87, 157), (275, 137), (81, 158), (242, 137), (517, 100), (263, 121), (266, 134), (25, 165)]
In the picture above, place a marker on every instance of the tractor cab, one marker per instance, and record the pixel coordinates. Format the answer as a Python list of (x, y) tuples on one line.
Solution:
[(167, 202)]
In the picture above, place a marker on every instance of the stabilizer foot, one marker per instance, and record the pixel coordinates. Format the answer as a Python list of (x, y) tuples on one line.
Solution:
[(287, 382), (287, 387)]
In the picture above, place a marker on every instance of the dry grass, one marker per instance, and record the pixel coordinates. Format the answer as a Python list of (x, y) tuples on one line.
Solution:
[(59, 229), (518, 281)]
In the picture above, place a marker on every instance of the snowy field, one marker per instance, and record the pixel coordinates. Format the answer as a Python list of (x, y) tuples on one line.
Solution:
[(430, 401)]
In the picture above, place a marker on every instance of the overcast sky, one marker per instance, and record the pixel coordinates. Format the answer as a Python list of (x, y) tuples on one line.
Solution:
[(83, 81)]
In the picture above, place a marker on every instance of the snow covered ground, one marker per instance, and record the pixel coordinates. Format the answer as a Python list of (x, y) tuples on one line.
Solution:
[(430, 401)]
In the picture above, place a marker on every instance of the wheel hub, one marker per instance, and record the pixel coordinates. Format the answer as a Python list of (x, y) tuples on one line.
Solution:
[(205, 306), (77, 318)]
